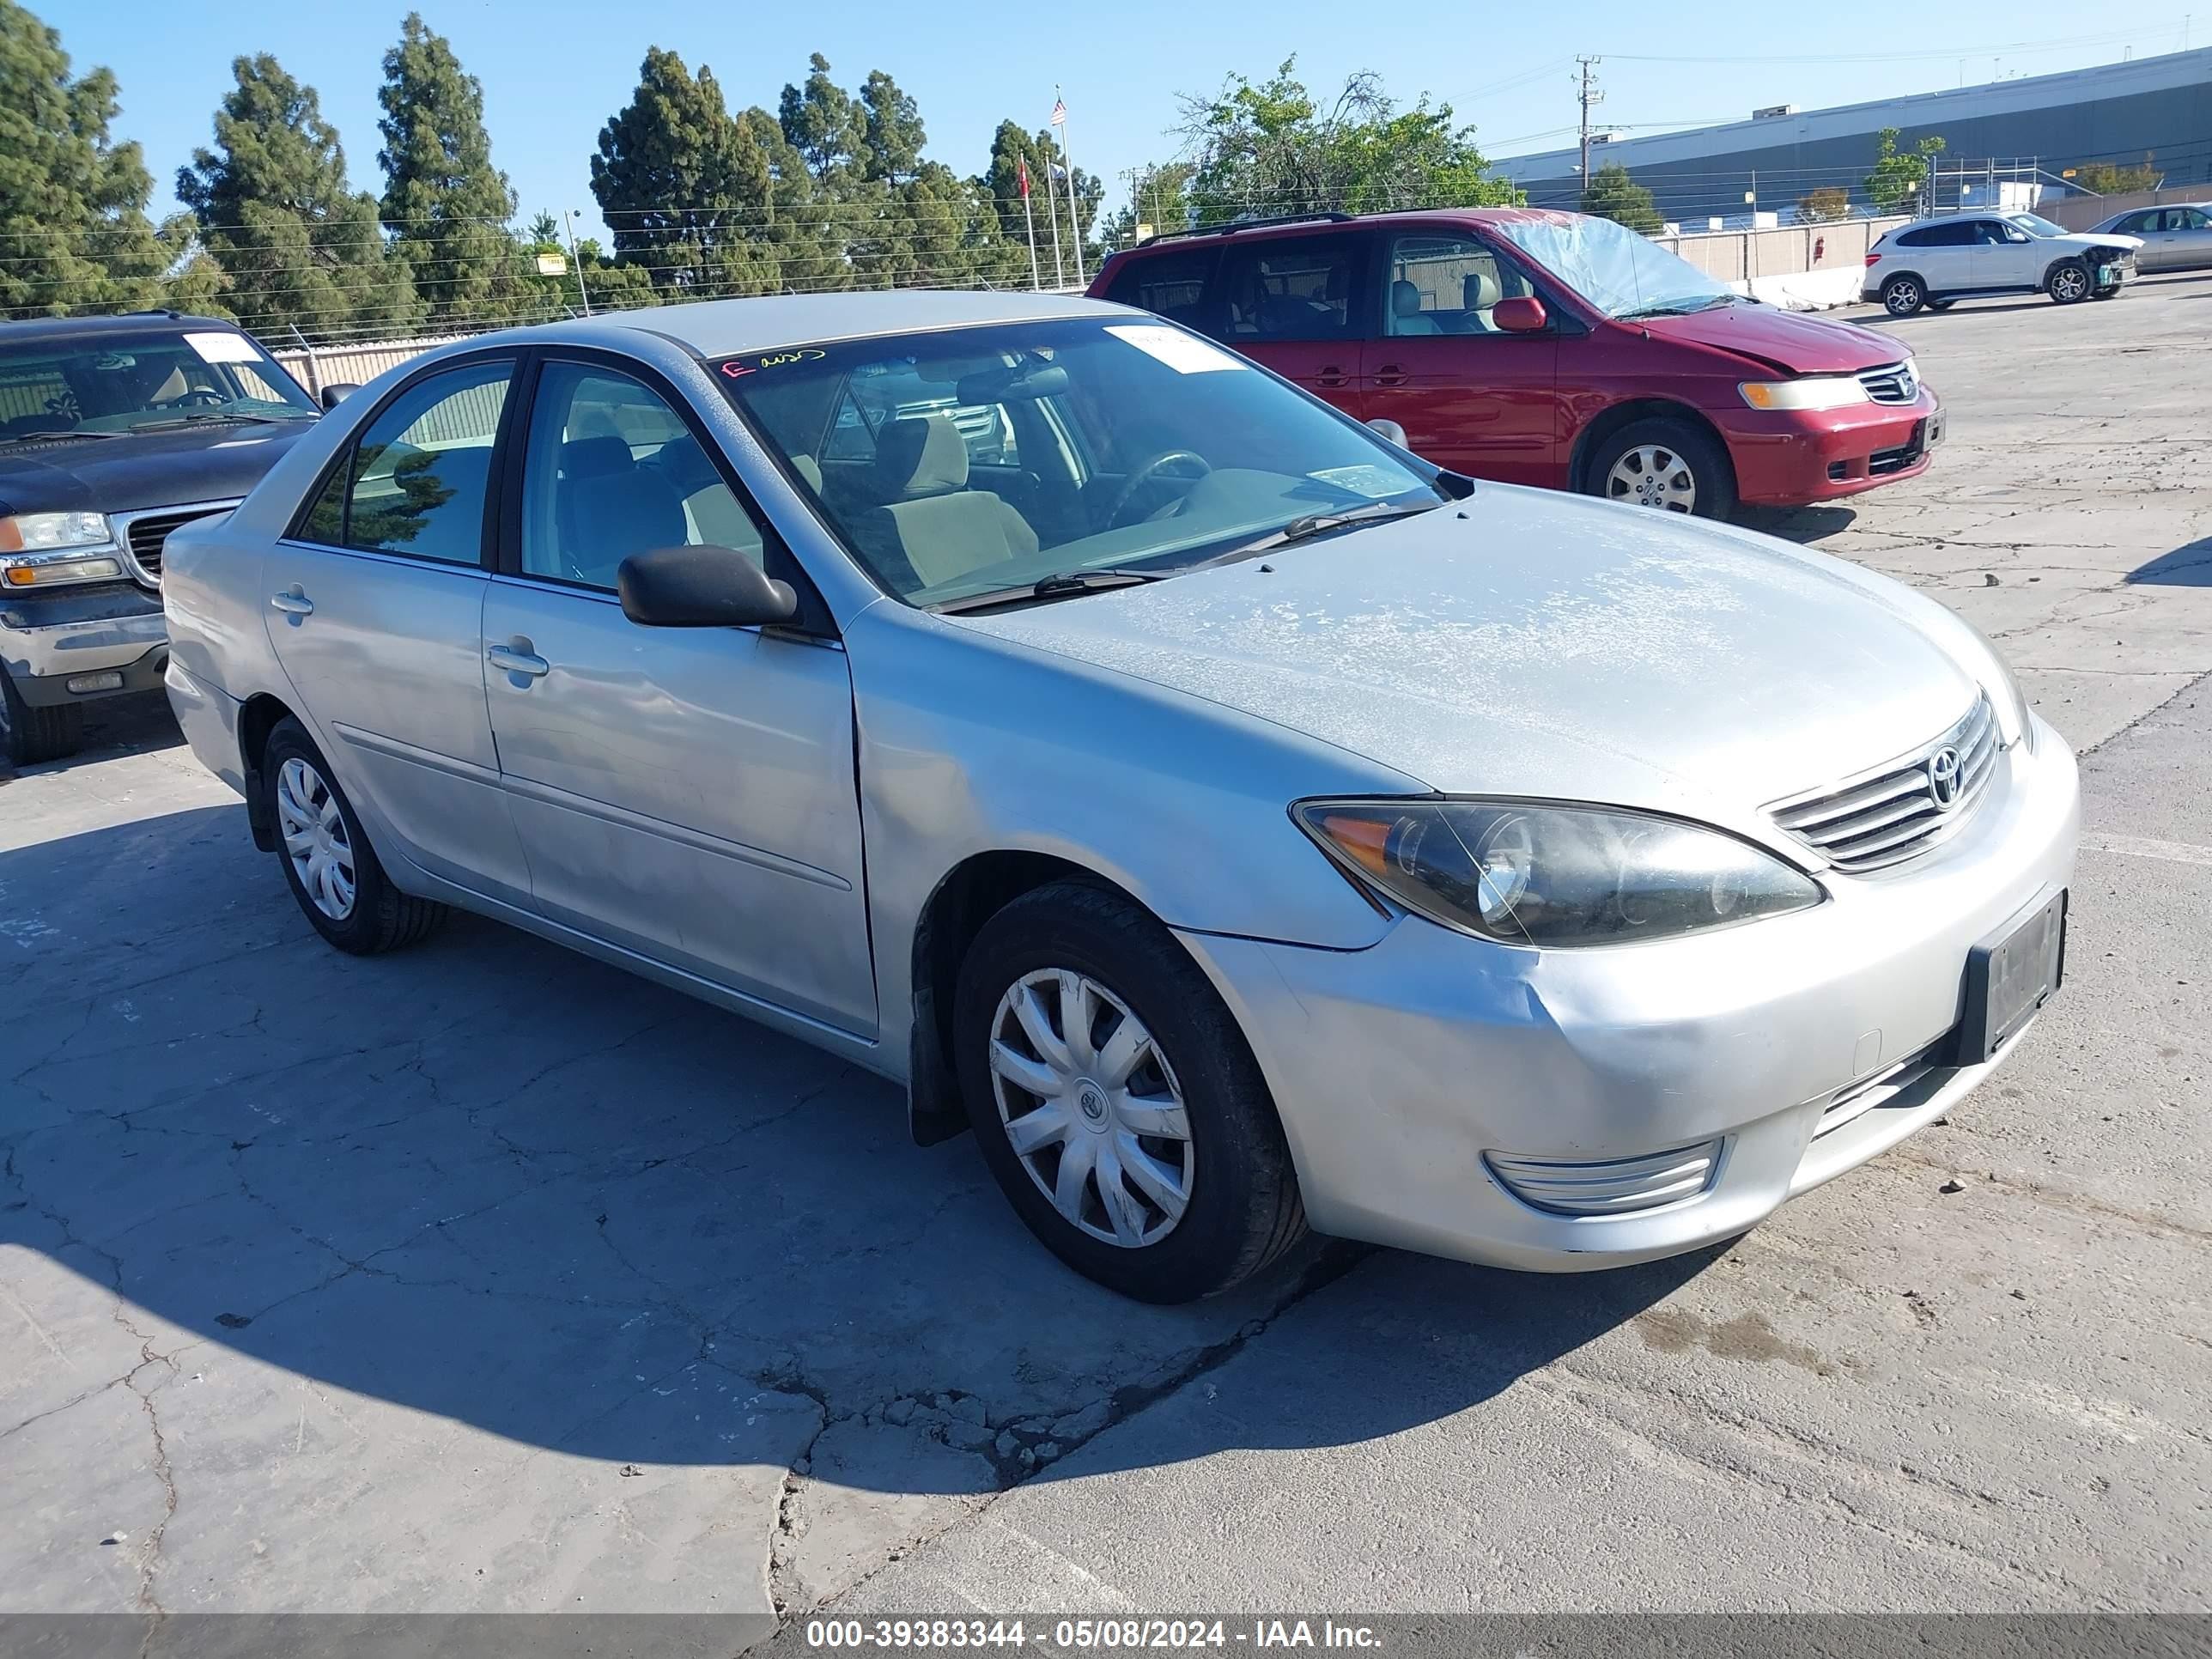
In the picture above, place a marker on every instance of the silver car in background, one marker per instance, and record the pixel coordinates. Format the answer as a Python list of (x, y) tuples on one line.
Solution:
[(2176, 236), (1237, 822)]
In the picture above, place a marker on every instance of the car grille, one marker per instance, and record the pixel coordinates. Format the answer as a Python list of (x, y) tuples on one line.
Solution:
[(1892, 383), (1878, 1089), (1618, 1186), (1899, 811), (146, 533)]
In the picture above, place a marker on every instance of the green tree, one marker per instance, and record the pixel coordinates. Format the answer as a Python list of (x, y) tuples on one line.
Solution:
[(74, 235), (2104, 178), (1159, 196), (1272, 148), (1824, 205), (295, 248), (1048, 192), (444, 204), (823, 122), (1900, 179), (1612, 194), (892, 148)]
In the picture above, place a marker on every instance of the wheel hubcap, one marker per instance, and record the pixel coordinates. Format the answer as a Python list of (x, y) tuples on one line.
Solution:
[(2071, 284), (315, 838), (1652, 475), (1091, 1108)]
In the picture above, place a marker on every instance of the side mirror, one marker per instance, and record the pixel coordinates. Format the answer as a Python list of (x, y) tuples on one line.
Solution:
[(1388, 431), (701, 588), (1524, 313), (337, 392)]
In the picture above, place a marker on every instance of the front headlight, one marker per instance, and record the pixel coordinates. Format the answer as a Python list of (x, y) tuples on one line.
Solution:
[(1523, 873), (44, 532), (2007, 689), (1814, 391)]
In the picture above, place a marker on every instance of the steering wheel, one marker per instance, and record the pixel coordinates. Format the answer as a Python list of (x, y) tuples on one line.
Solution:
[(200, 397), (1142, 476)]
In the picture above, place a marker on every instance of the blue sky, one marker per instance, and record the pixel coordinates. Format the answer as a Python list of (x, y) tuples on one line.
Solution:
[(553, 70)]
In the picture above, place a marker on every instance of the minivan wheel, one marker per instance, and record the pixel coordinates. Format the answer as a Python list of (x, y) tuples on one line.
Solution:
[(2069, 281), (1903, 295), (1668, 464), (29, 736), (1116, 1101), (331, 869)]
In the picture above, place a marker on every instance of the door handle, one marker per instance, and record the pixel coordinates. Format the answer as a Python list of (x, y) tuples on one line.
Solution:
[(1390, 374), (293, 602), (1330, 375), (518, 659)]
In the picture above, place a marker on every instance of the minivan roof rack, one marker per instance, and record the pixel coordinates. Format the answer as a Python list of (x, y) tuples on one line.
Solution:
[(1246, 224)]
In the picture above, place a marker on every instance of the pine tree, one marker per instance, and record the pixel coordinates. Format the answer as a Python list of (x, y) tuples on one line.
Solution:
[(74, 235), (1612, 194), (893, 148), (823, 122), (296, 248), (444, 204)]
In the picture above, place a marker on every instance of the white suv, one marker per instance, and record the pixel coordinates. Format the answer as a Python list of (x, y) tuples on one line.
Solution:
[(1966, 256)]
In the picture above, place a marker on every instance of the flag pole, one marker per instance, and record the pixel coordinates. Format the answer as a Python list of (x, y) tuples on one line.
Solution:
[(1029, 222), (1052, 217), (1074, 224)]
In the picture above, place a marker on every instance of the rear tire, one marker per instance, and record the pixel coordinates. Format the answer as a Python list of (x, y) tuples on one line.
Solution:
[(1903, 295), (329, 865), (31, 736), (2069, 282), (1665, 463), (1214, 1199)]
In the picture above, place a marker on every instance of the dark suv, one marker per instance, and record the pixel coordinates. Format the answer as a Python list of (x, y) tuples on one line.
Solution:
[(1537, 347), (113, 431)]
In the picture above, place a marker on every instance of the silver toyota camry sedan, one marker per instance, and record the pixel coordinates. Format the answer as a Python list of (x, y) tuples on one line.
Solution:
[(1239, 823)]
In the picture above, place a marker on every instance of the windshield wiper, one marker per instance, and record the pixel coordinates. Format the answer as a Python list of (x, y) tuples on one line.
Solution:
[(1681, 307), (200, 420), (1061, 585), (1319, 524), (56, 437)]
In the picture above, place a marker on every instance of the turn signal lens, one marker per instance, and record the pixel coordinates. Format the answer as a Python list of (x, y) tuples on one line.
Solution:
[(59, 573), (1814, 391)]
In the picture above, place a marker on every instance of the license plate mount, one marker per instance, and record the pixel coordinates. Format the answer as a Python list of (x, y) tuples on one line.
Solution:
[(2011, 975)]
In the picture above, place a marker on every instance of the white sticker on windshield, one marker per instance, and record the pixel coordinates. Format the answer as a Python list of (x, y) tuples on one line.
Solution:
[(1372, 482), (223, 347), (1186, 354)]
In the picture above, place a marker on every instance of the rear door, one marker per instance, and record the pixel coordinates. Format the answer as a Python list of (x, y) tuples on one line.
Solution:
[(1470, 396), (374, 609), (1302, 305), (685, 793)]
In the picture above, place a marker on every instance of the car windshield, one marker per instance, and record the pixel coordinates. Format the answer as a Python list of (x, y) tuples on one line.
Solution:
[(987, 460), (125, 382), (2035, 224), (1617, 270)]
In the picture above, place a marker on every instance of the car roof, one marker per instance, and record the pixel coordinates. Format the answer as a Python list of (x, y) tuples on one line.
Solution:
[(128, 322), (720, 328), (1323, 224)]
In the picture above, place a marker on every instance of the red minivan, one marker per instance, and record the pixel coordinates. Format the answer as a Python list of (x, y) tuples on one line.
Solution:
[(1543, 348)]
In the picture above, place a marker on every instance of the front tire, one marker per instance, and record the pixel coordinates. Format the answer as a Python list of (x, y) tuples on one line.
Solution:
[(329, 865), (1665, 464), (1940, 305), (1116, 1101), (2069, 282), (31, 736), (1903, 295)]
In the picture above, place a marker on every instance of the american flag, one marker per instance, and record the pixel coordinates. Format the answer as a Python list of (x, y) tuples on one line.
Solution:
[(1060, 111)]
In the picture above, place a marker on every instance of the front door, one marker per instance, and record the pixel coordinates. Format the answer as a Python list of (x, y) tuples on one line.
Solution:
[(1470, 396), (686, 794), (374, 607), (1299, 304), (2005, 256)]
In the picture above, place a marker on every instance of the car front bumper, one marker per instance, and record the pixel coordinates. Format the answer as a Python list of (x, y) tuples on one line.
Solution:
[(1409, 1073), (45, 643), (1793, 458)]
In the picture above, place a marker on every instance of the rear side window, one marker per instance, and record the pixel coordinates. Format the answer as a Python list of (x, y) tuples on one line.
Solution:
[(1171, 283), (1287, 289), (1958, 234)]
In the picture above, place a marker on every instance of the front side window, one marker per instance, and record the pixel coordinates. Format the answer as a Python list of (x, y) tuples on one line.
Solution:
[(1284, 289), (421, 468), (1147, 450), (1622, 274), (1447, 284), (126, 382), (611, 470)]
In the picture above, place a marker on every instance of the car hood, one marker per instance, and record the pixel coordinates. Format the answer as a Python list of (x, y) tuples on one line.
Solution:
[(1788, 341), (208, 463), (1542, 644)]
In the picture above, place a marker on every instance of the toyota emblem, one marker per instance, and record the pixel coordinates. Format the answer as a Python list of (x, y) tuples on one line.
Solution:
[(1943, 778)]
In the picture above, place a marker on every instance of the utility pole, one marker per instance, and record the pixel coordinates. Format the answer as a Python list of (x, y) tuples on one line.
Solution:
[(1588, 94), (569, 218)]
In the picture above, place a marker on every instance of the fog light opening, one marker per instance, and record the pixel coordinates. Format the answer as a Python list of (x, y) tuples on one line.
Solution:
[(82, 683)]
